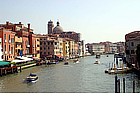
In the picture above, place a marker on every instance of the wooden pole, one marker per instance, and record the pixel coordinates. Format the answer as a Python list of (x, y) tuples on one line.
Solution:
[(115, 83), (133, 86), (118, 86), (1, 72), (123, 85), (20, 68)]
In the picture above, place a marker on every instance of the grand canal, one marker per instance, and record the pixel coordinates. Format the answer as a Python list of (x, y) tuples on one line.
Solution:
[(83, 77)]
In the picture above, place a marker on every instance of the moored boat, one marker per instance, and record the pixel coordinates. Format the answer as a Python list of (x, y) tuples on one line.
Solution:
[(118, 70)]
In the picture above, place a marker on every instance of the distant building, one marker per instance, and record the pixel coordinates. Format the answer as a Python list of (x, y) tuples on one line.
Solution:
[(72, 35), (95, 48)]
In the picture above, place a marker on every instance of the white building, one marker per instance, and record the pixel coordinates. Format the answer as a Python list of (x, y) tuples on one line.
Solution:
[(95, 48)]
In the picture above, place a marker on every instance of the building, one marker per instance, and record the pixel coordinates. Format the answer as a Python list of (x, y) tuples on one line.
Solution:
[(27, 35), (95, 48), (58, 30), (8, 42), (1, 53), (132, 43)]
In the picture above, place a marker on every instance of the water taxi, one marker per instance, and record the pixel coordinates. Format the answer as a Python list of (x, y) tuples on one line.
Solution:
[(97, 62), (76, 61), (32, 78), (98, 55), (66, 63)]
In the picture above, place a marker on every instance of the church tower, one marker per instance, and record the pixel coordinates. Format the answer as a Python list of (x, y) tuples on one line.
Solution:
[(50, 27)]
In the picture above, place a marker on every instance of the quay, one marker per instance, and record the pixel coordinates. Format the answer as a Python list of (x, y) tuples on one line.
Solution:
[(8, 70)]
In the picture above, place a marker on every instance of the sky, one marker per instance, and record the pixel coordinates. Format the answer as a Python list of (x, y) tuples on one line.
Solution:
[(95, 20)]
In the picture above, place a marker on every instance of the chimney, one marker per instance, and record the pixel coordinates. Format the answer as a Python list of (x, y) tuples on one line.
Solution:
[(28, 27), (7, 22), (19, 22)]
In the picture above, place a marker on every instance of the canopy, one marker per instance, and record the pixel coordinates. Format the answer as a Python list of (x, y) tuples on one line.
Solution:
[(4, 63)]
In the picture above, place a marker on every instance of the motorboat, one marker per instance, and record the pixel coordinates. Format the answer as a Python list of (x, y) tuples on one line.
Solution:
[(118, 70), (97, 62), (66, 63), (98, 55), (32, 78), (76, 61)]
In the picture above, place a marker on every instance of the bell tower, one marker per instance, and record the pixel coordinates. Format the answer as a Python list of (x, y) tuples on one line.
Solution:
[(50, 27)]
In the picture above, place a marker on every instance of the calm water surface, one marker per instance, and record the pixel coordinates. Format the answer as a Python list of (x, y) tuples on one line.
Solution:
[(83, 77)]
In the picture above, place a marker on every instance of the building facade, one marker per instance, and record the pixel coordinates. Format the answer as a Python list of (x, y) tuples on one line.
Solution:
[(8, 42), (132, 43)]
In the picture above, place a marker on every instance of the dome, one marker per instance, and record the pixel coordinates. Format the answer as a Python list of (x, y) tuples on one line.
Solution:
[(58, 29)]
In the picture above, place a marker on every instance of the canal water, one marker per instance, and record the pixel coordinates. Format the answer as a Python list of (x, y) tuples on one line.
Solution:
[(83, 77)]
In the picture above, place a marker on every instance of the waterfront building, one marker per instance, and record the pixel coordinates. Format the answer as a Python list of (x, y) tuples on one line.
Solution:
[(1, 49), (8, 42), (95, 48), (28, 37), (49, 46), (132, 43), (66, 48)]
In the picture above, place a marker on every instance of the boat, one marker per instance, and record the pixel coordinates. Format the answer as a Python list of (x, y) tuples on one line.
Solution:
[(118, 70), (97, 55), (66, 63), (76, 61), (32, 78), (97, 62)]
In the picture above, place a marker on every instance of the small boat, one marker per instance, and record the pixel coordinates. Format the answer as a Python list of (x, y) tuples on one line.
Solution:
[(66, 63), (32, 78), (76, 61), (118, 70), (97, 55), (97, 62)]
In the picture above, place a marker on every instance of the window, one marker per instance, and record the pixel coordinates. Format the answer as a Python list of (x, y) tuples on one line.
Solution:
[(4, 36), (132, 52), (127, 52), (12, 50), (9, 37), (12, 40), (132, 43), (9, 47), (5, 48)]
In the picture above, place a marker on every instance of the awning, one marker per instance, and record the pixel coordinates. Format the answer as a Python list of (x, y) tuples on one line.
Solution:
[(4, 63)]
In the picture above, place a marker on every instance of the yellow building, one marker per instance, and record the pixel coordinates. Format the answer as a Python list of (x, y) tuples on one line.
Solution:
[(37, 48), (18, 46)]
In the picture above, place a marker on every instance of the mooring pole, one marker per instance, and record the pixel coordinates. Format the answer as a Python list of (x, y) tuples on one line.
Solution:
[(133, 86), (116, 83), (123, 85)]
